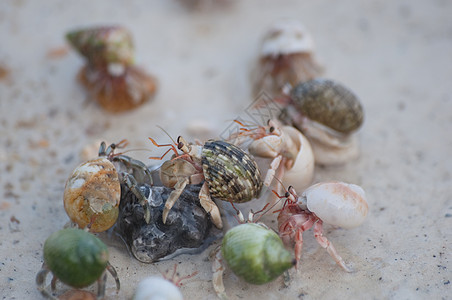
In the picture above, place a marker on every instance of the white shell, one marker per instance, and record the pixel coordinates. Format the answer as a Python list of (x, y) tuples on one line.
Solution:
[(157, 288), (337, 203), (287, 37), (302, 172)]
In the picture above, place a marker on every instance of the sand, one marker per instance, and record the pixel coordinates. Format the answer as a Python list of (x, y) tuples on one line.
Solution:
[(395, 55)]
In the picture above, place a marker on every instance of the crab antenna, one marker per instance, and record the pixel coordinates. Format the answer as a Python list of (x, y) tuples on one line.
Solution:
[(271, 207), (235, 208), (245, 125), (259, 211), (280, 182), (167, 134)]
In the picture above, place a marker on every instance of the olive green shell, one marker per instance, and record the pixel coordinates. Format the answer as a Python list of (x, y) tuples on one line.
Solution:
[(255, 253), (75, 257), (328, 103), (230, 172), (103, 45)]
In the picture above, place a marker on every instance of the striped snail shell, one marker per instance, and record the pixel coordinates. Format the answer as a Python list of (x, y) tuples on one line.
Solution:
[(230, 172)]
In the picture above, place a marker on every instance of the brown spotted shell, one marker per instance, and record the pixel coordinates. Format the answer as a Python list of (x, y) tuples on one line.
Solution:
[(329, 103), (230, 172), (92, 195)]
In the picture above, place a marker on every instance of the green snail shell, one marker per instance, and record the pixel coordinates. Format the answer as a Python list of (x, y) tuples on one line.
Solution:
[(75, 257), (255, 253), (328, 103), (230, 172), (103, 45)]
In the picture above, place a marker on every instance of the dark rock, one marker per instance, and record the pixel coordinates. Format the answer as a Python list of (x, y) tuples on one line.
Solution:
[(188, 228)]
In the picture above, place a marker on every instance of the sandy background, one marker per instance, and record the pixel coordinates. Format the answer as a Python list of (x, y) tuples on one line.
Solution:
[(396, 55)]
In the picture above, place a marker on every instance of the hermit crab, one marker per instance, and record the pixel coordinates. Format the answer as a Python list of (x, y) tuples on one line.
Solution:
[(110, 75), (335, 203), (78, 259), (254, 253), (290, 151), (158, 288), (329, 114), (230, 174), (286, 58), (93, 191)]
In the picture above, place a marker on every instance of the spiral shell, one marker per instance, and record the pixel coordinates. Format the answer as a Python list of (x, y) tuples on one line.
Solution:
[(255, 253), (328, 103), (92, 195), (230, 172), (75, 257), (103, 45)]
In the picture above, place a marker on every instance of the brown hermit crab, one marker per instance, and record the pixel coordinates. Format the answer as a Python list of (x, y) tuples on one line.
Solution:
[(230, 174), (110, 75), (292, 160), (93, 190)]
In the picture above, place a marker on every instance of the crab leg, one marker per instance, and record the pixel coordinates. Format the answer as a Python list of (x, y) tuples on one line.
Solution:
[(323, 241), (41, 280), (217, 278), (210, 206), (113, 273), (101, 283), (132, 185), (271, 171), (178, 189)]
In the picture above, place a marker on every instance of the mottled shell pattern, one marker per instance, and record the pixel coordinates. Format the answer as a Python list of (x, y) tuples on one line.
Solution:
[(337, 203), (92, 195), (230, 172), (103, 45), (255, 253), (328, 103), (75, 257)]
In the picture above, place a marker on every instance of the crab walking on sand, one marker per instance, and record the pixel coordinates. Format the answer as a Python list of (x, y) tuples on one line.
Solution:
[(229, 174), (329, 114), (77, 258), (110, 75), (93, 190), (254, 253), (336, 203), (286, 58)]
